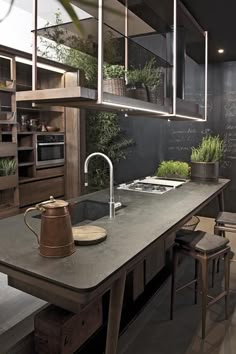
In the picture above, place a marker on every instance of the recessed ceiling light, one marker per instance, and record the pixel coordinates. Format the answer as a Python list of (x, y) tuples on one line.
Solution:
[(221, 51)]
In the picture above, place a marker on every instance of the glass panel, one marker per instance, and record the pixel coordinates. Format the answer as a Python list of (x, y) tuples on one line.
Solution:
[(190, 65), (63, 43), (138, 58)]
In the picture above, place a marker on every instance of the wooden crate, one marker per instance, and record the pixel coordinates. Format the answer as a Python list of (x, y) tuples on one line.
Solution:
[(58, 331)]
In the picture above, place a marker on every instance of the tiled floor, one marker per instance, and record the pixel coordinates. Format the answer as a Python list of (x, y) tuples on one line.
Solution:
[(153, 333)]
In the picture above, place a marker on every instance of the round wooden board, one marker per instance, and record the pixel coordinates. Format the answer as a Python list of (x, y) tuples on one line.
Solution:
[(88, 234)]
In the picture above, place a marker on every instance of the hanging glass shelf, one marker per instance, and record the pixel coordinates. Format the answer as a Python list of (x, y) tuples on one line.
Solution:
[(131, 65)]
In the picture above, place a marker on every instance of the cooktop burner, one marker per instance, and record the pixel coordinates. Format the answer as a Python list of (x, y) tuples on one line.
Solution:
[(151, 185)]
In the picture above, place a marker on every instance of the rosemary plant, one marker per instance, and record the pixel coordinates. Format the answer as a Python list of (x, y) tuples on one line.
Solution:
[(210, 149)]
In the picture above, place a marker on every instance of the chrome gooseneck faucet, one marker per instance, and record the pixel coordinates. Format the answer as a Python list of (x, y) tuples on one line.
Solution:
[(111, 199)]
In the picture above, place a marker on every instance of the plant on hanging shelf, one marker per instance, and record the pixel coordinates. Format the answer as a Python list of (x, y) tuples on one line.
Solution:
[(146, 84), (114, 79)]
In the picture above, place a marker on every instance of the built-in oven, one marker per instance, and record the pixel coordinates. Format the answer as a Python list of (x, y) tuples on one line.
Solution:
[(50, 149)]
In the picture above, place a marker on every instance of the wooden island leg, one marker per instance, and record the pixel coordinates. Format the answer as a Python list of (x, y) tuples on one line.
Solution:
[(221, 201), (114, 316)]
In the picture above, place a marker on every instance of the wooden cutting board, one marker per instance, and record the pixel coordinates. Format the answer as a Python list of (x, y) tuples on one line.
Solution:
[(88, 234)]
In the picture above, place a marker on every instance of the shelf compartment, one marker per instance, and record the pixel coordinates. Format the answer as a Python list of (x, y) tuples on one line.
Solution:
[(8, 182), (23, 87), (8, 149), (7, 117)]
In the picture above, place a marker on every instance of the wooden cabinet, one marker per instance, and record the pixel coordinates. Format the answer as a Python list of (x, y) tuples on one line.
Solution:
[(37, 184)]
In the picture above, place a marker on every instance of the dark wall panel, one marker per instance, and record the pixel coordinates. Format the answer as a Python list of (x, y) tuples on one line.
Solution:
[(149, 136)]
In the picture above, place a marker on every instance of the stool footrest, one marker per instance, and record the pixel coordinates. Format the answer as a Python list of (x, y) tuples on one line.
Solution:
[(217, 298), (186, 285)]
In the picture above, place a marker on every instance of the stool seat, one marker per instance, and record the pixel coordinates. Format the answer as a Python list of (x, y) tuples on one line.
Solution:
[(225, 217), (200, 241)]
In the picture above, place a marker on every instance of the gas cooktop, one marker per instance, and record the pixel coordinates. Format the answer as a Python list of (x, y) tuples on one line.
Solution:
[(153, 185)]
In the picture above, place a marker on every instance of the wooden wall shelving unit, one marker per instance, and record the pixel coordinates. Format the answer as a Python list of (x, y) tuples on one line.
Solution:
[(32, 184), (9, 190)]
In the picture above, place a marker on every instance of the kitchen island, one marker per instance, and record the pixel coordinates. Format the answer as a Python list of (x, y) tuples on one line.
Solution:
[(146, 222)]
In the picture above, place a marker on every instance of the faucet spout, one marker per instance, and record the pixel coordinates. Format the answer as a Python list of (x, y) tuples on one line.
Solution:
[(111, 173)]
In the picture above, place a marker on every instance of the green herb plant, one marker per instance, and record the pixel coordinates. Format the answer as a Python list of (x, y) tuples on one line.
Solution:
[(211, 149), (149, 75), (173, 169), (7, 167), (113, 71)]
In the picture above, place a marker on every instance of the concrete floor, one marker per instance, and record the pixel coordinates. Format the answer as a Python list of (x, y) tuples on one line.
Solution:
[(153, 333)]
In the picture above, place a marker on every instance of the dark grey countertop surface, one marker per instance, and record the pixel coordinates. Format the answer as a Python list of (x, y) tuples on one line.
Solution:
[(145, 218)]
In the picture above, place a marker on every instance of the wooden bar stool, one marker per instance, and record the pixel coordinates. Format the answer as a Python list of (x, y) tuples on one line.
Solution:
[(203, 247), (225, 221), (225, 218)]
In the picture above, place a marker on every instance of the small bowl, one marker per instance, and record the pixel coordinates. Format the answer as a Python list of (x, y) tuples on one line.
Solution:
[(52, 129)]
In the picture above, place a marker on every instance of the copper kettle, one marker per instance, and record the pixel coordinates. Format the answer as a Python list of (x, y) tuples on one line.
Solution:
[(56, 238)]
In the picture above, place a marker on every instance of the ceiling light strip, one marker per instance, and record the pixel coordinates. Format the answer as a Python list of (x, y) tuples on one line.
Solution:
[(40, 65), (119, 105), (187, 117)]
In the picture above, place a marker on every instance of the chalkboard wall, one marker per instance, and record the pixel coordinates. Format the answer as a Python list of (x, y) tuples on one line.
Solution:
[(157, 140), (221, 120)]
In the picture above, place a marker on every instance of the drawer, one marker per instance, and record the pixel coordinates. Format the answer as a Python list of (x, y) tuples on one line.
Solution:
[(34, 192), (48, 172), (155, 261)]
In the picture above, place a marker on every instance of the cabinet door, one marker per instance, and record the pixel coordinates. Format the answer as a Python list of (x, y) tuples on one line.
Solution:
[(155, 260), (34, 192)]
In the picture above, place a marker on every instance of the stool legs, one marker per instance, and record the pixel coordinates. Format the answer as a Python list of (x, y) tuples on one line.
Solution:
[(204, 264), (227, 275), (196, 282), (173, 281)]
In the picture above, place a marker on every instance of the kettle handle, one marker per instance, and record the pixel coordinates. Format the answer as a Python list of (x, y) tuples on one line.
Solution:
[(26, 222)]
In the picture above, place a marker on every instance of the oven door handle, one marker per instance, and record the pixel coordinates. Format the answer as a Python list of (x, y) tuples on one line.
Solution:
[(50, 144)]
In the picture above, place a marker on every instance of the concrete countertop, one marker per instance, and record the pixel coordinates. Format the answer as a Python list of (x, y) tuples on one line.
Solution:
[(145, 218)]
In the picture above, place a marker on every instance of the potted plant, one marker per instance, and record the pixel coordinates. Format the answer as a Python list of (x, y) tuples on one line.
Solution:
[(114, 79), (146, 84), (136, 87), (154, 81), (173, 169), (8, 178), (205, 159)]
